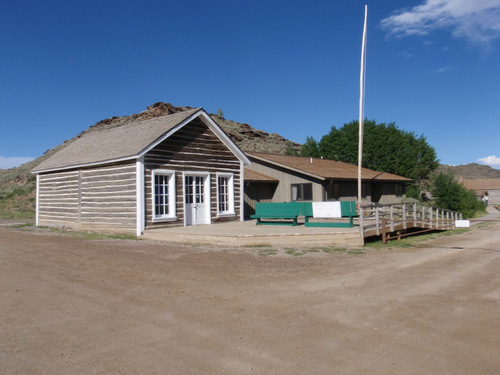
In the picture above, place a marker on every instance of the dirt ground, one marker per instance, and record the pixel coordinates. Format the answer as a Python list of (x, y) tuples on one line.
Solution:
[(78, 306)]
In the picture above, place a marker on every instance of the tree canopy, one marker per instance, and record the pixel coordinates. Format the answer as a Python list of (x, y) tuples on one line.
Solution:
[(386, 148)]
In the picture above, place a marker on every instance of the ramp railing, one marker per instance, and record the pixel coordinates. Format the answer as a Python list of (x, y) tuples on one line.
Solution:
[(375, 218)]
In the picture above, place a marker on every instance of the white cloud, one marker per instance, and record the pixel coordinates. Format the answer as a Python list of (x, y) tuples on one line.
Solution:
[(443, 69), (11, 162), (475, 20), (490, 160)]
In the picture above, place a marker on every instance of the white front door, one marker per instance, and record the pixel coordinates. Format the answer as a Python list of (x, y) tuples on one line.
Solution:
[(196, 199)]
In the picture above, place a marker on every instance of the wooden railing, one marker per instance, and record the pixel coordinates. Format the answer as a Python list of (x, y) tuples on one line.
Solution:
[(374, 218)]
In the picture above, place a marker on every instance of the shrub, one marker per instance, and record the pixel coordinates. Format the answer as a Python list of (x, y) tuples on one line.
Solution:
[(451, 195)]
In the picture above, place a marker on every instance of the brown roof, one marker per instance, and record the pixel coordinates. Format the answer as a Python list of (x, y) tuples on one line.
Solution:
[(253, 176), (324, 168), (484, 184)]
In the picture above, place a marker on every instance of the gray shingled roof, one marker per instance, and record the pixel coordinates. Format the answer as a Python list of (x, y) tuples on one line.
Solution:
[(119, 143)]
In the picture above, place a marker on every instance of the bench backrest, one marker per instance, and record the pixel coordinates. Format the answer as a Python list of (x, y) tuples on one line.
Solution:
[(347, 208), (285, 208)]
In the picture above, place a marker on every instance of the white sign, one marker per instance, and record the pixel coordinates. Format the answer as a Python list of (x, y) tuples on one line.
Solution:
[(462, 223), (326, 209)]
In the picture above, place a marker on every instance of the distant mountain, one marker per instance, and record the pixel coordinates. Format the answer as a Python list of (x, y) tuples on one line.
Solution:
[(472, 171)]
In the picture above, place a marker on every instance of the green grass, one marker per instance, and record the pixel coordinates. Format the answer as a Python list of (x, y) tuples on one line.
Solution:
[(17, 202), (258, 245), (267, 252)]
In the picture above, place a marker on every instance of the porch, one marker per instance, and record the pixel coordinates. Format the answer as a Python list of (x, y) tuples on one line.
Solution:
[(246, 233)]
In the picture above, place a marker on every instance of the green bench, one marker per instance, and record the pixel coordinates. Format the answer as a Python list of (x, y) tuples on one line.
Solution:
[(286, 213), (277, 213), (347, 208)]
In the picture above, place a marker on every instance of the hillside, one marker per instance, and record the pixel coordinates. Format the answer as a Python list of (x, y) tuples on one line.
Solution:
[(470, 171), (17, 185)]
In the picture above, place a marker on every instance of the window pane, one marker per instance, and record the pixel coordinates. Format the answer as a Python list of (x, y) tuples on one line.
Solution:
[(224, 191), (307, 190), (162, 195)]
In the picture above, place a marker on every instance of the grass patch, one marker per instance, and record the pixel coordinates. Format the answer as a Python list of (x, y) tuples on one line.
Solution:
[(334, 250), (356, 251), (267, 252), (258, 245), (294, 252), (17, 202)]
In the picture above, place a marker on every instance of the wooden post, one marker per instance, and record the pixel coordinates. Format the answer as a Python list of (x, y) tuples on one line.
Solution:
[(384, 234), (392, 218), (430, 216), (414, 214), (404, 216), (361, 228)]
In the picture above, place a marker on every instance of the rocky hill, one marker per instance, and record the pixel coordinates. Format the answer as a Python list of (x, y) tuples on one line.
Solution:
[(470, 171), (17, 184)]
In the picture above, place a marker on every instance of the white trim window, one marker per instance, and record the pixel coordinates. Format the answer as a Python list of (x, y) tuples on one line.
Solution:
[(225, 194), (163, 183)]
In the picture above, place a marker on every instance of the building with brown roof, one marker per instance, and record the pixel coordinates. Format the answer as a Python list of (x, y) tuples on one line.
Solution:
[(490, 186), (296, 178)]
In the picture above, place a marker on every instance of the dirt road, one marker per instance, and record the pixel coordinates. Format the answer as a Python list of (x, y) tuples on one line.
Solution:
[(78, 306)]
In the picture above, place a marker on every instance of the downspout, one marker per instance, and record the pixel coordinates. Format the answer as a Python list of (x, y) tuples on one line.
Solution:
[(140, 196), (242, 191), (37, 212)]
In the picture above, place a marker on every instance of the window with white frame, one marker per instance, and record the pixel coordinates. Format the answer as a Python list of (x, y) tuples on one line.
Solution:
[(225, 194), (163, 195)]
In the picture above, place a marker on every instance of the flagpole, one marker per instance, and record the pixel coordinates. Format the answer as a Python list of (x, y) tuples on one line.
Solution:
[(361, 105)]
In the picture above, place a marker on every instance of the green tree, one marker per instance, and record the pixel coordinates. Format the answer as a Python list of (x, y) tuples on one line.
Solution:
[(386, 148), (451, 195), (310, 148), (290, 150)]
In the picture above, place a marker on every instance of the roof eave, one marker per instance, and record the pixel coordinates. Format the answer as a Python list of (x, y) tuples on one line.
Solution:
[(323, 178), (85, 165)]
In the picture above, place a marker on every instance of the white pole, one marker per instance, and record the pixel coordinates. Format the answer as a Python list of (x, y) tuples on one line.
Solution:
[(361, 105)]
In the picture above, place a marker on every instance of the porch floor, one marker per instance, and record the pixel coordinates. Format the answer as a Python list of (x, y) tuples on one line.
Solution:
[(246, 233)]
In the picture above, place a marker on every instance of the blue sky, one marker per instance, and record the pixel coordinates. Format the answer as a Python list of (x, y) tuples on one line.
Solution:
[(286, 67)]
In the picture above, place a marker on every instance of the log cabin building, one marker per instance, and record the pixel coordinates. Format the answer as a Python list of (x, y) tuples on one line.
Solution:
[(179, 169)]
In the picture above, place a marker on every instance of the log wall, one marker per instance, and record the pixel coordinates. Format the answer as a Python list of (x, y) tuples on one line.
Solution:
[(58, 199), (194, 148), (108, 196), (99, 197)]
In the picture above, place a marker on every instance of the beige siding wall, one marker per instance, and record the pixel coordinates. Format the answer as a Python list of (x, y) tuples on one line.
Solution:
[(89, 198), (194, 148), (494, 197), (283, 193)]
